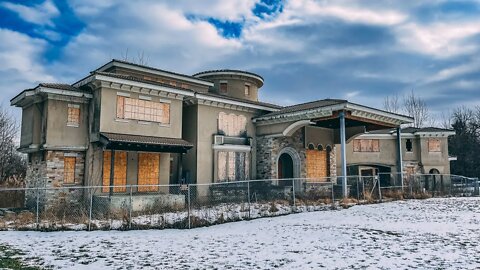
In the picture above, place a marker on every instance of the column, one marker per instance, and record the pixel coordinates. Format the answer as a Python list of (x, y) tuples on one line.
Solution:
[(399, 155), (343, 153)]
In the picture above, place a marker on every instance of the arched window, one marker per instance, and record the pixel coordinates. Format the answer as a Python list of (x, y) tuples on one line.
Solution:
[(231, 124), (320, 147), (311, 146)]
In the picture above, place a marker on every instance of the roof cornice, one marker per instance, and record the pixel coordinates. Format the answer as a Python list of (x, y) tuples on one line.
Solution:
[(220, 100), (155, 71), (41, 89)]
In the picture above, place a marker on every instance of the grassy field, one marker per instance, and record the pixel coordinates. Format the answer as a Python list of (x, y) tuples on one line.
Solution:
[(10, 259)]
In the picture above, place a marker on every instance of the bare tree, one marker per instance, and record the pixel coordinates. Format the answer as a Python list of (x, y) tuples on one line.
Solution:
[(140, 59), (12, 164), (390, 104), (446, 120), (417, 108)]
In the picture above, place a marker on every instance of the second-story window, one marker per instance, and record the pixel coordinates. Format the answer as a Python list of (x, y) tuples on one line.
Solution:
[(409, 145), (247, 90), (223, 87), (366, 145), (143, 110), (231, 124), (73, 115), (434, 145)]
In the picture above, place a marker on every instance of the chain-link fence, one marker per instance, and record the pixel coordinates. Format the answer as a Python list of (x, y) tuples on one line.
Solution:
[(188, 206)]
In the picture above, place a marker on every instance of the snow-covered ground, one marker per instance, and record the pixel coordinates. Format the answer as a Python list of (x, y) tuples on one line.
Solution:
[(433, 233)]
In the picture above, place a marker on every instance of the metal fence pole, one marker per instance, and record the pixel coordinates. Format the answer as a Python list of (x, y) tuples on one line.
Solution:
[(293, 193), (248, 199), (188, 198), (90, 210), (379, 189), (358, 190), (333, 195), (37, 208), (130, 210)]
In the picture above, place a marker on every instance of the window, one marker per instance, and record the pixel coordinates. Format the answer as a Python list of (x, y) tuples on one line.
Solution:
[(148, 171), (223, 87), (247, 90), (69, 170), (409, 145), (73, 115), (366, 145), (316, 165), (233, 166), (119, 171), (231, 124), (144, 110), (434, 145)]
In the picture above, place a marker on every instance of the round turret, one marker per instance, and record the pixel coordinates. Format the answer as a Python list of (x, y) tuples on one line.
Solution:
[(233, 83)]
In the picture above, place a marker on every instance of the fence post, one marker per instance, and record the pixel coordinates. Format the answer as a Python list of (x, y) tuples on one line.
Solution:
[(188, 198), (90, 210), (358, 190), (248, 199), (379, 188), (130, 210), (293, 194), (37, 210), (333, 195)]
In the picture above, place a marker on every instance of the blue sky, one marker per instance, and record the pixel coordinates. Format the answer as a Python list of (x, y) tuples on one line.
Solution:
[(305, 49)]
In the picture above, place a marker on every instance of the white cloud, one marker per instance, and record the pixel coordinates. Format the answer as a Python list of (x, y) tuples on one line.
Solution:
[(455, 71), (439, 39), (41, 14)]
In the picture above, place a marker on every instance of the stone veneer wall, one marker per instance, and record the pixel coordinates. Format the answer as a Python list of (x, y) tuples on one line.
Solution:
[(269, 147), (46, 171)]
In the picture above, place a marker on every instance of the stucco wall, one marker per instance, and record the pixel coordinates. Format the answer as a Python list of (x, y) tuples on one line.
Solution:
[(58, 133), (31, 128), (109, 122), (207, 127)]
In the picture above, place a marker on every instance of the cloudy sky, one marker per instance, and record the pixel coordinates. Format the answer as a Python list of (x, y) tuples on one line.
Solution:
[(358, 50)]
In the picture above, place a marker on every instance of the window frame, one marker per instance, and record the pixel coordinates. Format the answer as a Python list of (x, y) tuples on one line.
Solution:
[(143, 106), (73, 115), (69, 177), (247, 89), (220, 88), (407, 142), (366, 146), (438, 148)]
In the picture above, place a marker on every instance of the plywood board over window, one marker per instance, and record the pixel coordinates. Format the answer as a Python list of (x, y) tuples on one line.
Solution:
[(73, 115), (119, 173), (69, 170), (434, 145), (143, 110), (148, 171), (316, 165), (366, 145)]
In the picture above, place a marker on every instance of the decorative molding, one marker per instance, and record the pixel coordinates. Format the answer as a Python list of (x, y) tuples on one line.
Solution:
[(232, 147)]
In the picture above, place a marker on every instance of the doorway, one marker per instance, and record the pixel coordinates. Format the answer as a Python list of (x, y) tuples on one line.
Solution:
[(285, 166)]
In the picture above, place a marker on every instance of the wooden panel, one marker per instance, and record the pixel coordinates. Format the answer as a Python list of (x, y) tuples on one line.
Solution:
[(222, 166), (120, 107), (69, 170), (434, 145), (366, 145), (316, 165), (148, 171), (119, 173), (356, 145)]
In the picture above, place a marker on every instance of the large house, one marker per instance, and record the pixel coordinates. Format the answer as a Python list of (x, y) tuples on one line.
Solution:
[(129, 124)]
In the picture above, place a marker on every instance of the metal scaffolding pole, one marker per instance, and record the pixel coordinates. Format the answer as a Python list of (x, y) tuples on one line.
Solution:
[(344, 154)]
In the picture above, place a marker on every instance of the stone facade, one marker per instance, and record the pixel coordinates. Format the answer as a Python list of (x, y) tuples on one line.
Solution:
[(46, 171), (268, 150)]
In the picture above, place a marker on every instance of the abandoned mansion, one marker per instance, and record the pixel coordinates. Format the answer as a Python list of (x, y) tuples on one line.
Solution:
[(128, 124)]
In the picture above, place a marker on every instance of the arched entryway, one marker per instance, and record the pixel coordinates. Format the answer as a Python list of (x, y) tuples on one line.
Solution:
[(288, 165), (285, 166), (431, 183)]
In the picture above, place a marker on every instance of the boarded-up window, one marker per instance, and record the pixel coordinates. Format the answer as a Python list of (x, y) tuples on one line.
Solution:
[(434, 145), (231, 124), (69, 170), (144, 110), (247, 90), (316, 165), (366, 145), (223, 87), (148, 171), (233, 166), (119, 171), (73, 115)]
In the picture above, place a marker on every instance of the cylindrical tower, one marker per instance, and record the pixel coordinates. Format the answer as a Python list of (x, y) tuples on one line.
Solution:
[(233, 83)]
